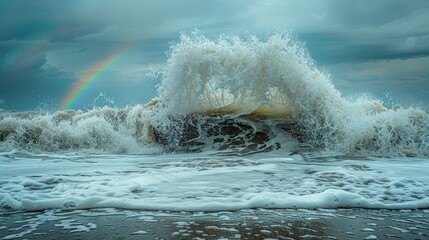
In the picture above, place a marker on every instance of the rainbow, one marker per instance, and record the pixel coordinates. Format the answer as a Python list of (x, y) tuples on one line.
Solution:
[(92, 74)]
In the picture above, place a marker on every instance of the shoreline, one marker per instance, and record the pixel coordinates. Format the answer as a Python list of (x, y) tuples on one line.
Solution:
[(242, 224)]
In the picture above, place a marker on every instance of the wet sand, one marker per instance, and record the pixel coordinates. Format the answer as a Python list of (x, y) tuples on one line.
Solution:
[(243, 224)]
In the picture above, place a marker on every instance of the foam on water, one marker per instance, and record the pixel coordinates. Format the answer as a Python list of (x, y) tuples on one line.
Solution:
[(207, 182)]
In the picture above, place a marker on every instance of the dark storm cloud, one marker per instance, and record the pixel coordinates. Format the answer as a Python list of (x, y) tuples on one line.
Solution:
[(369, 13), (26, 78), (43, 19), (332, 48), (338, 30), (29, 30), (27, 89), (46, 45), (404, 80)]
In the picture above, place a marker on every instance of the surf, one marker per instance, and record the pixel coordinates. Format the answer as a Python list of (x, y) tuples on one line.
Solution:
[(238, 123)]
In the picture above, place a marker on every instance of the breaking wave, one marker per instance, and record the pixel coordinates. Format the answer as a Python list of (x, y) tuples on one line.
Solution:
[(232, 93)]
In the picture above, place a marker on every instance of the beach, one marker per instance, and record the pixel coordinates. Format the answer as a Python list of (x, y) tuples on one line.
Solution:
[(241, 224)]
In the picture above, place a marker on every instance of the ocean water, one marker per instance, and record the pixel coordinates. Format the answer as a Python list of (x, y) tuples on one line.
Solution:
[(237, 124)]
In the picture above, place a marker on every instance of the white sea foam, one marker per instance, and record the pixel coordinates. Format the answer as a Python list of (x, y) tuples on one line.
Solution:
[(206, 182)]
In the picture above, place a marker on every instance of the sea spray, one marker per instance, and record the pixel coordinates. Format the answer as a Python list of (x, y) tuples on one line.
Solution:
[(277, 78)]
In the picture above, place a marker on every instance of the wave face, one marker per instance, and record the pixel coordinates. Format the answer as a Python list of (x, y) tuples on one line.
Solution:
[(231, 93)]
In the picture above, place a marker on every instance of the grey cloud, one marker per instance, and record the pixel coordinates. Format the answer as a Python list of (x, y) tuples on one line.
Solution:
[(29, 31), (27, 89), (83, 49), (404, 79), (338, 30), (51, 20), (75, 35), (159, 19), (26, 78), (68, 31), (329, 48), (18, 57), (368, 13)]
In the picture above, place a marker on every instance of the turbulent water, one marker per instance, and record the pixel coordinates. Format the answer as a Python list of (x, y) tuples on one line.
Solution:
[(238, 123)]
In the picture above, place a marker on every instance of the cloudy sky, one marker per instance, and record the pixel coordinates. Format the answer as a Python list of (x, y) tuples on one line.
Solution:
[(46, 46)]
